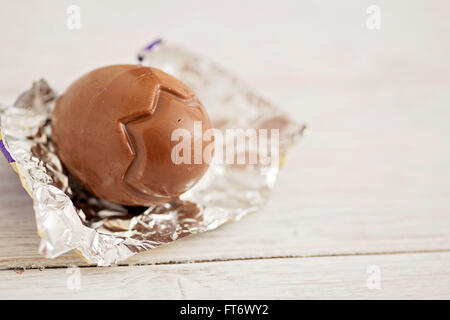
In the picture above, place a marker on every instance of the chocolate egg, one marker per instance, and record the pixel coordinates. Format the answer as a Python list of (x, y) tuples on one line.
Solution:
[(113, 131)]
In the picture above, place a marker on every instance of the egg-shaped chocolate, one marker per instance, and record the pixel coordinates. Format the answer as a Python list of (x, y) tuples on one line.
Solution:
[(113, 131)]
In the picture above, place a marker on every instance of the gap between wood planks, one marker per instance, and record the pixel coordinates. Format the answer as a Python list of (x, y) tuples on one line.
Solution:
[(237, 259)]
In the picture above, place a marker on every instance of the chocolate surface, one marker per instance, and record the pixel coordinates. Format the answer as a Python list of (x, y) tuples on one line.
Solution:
[(112, 130)]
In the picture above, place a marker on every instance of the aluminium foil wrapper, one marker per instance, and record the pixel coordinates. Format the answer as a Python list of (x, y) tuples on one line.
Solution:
[(69, 218)]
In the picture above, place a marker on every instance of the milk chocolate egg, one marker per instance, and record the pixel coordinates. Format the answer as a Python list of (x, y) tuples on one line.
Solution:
[(113, 127)]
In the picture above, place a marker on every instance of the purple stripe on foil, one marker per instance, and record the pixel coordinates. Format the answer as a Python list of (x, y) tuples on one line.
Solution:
[(152, 45), (5, 152)]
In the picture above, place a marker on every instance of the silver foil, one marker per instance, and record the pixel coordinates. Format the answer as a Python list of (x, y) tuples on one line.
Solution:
[(68, 218)]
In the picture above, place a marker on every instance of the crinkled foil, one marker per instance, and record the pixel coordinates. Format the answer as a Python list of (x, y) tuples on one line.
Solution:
[(68, 218)]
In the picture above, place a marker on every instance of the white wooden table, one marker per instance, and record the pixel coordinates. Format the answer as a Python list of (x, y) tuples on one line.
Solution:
[(361, 208)]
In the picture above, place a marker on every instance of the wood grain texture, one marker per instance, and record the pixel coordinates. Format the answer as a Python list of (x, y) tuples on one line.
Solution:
[(402, 276), (373, 175), (366, 179)]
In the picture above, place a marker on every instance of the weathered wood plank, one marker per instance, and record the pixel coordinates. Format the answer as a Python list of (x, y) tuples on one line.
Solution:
[(412, 276)]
